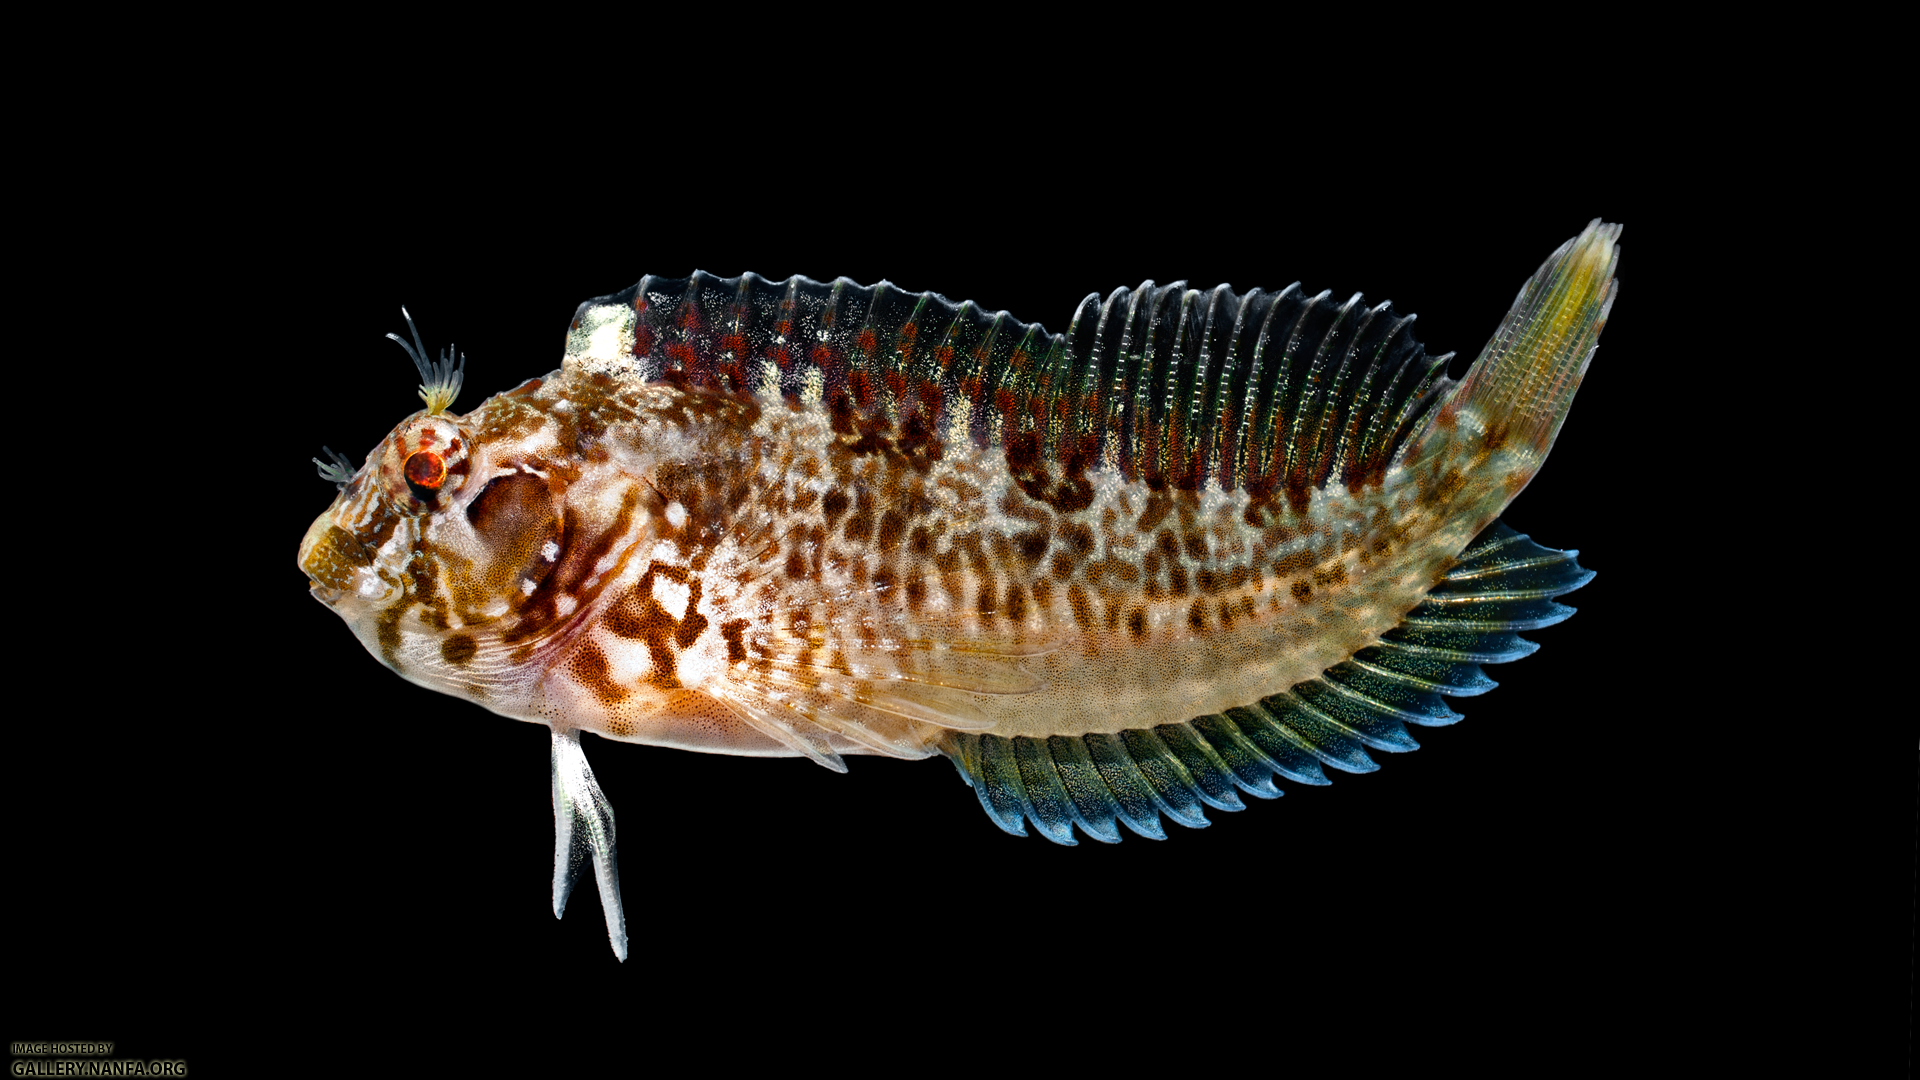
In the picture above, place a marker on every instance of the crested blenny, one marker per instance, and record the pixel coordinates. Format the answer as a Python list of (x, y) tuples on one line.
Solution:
[(1201, 541)]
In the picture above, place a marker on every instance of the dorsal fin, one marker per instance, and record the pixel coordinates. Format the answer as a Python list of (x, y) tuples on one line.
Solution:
[(1503, 583), (1172, 386)]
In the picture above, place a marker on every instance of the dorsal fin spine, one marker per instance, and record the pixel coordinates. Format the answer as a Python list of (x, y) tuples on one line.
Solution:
[(1363, 467), (1339, 405), (1167, 384)]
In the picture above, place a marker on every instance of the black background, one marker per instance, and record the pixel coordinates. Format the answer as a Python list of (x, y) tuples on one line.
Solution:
[(339, 850)]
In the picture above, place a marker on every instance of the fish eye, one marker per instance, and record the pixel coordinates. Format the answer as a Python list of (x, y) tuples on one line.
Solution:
[(426, 471)]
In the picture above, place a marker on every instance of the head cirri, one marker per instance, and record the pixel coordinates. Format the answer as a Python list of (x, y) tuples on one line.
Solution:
[(409, 554)]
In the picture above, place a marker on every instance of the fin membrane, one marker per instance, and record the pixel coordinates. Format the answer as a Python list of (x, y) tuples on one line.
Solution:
[(1267, 391), (1504, 583)]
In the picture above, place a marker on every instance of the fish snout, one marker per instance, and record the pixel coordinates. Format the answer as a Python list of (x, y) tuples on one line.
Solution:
[(332, 558)]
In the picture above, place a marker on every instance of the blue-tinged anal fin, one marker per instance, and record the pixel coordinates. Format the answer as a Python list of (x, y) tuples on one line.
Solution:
[(1502, 583)]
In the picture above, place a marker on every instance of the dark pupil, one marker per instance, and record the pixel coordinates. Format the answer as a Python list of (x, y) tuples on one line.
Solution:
[(425, 469)]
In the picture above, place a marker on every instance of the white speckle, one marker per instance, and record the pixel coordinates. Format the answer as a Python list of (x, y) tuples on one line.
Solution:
[(676, 515), (526, 587), (564, 604), (671, 595), (550, 550)]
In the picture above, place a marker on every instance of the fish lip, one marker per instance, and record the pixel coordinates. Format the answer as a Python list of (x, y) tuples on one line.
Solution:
[(326, 594)]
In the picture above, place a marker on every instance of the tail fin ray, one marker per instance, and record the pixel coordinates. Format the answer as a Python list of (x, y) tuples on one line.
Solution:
[(1520, 388)]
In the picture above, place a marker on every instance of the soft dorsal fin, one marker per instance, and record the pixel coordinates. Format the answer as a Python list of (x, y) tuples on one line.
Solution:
[(1267, 391), (1503, 583)]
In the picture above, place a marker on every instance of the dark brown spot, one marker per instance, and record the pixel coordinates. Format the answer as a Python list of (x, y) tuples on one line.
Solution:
[(891, 526), (1159, 504), (1137, 622), (1031, 546), (1016, 602), (690, 627), (833, 505), (1302, 591), (731, 631), (920, 542), (1082, 608), (590, 669), (860, 526), (1197, 617), (388, 630), (458, 650), (1168, 545), (916, 592)]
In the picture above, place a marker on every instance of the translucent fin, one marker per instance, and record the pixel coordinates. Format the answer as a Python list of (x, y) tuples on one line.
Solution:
[(1502, 583), (583, 829), (1523, 383), (778, 721), (889, 698), (1170, 385)]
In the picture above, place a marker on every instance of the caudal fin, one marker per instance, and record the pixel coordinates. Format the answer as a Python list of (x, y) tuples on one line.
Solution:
[(1519, 390)]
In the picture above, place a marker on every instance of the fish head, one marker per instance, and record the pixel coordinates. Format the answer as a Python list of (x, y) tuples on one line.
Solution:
[(477, 556), (371, 554), (463, 561)]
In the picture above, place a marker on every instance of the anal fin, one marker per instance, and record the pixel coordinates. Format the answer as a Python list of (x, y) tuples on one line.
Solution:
[(1503, 582)]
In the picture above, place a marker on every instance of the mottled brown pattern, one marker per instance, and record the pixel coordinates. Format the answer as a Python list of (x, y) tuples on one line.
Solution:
[(860, 486)]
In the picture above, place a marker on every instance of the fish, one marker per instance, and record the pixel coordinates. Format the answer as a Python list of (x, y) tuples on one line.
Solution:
[(1199, 542)]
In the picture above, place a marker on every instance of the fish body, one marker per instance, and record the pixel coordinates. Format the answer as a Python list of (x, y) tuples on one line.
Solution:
[(1199, 541)]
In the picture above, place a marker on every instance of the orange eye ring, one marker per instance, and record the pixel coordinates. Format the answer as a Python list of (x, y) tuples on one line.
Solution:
[(425, 472)]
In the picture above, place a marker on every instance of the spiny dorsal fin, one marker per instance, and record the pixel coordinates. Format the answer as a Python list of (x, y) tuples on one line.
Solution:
[(1173, 386)]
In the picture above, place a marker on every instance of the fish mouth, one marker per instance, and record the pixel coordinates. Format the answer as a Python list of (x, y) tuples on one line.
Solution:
[(333, 559), (326, 594), (311, 540)]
